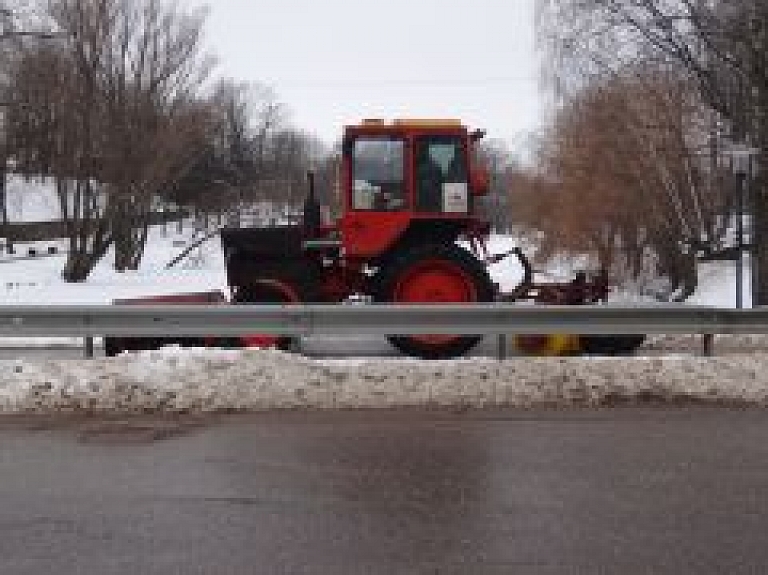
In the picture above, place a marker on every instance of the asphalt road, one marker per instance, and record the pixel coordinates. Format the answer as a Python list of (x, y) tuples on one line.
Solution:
[(615, 491)]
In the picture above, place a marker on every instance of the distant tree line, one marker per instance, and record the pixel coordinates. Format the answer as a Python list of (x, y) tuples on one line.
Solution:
[(113, 100), (653, 98)]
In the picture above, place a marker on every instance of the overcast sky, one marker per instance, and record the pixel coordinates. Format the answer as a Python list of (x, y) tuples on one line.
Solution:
[(334, 62)]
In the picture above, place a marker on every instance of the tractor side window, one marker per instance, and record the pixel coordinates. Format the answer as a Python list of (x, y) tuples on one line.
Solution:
[(441, 175), (378, 182)]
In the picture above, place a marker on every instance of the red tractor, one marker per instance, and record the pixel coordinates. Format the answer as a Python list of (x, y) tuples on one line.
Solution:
[(410, 191)]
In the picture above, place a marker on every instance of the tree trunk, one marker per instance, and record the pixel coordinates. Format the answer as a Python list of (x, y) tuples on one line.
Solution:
[(87, 228), (121, 231), (130, 229), (77, 268), (81, 261), (688, 277), (139, 244), (679, 267)]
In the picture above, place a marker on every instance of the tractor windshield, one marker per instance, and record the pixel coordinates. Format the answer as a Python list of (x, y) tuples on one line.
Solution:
[(377, 168), (441, 175)]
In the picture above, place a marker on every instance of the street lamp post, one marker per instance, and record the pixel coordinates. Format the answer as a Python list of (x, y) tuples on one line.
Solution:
[(743, 166), (740, 242)]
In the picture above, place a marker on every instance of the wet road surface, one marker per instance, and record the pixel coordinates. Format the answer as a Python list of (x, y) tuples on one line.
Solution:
[(614, 491)]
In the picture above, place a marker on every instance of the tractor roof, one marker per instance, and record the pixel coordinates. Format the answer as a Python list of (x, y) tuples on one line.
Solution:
[(419, 122), (407, 125)]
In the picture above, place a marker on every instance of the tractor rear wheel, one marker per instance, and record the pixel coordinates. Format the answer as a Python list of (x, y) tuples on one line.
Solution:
[(273, 290), (434, 274)]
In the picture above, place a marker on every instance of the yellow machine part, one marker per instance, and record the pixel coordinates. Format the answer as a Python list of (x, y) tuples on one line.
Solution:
[(551, 345)]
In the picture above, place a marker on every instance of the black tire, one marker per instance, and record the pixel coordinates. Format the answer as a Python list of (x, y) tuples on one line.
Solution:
[(261, 292), (610, 344), (473, 273), (112, 346)]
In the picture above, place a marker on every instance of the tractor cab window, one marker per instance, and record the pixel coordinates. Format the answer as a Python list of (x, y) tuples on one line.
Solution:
[(441, 175), (377, 174)]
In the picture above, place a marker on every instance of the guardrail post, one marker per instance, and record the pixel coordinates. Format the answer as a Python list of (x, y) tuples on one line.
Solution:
[(88, 339), (707, 344), (501, 347)]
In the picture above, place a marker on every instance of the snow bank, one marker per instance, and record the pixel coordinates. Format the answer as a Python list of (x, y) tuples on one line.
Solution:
[(172, 380), (730, 344)]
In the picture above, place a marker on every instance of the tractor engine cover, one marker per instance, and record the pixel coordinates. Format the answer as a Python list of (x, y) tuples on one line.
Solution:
[(248, 252)]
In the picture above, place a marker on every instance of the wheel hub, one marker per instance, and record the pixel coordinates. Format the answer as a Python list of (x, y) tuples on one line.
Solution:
[(435, 281)]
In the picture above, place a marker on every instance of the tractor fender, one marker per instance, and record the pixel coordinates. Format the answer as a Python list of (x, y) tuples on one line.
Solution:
[(283, 288)]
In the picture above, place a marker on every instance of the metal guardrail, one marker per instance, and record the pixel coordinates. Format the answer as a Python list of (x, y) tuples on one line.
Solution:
[(308, 320), (345, 320)]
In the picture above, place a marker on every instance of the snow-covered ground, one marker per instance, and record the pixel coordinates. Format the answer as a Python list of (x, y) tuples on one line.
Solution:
[(717, 284), (38, 280), (32, 200)]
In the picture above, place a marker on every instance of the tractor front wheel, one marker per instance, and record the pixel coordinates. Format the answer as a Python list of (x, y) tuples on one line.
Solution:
[(437, 274), (277, 291)]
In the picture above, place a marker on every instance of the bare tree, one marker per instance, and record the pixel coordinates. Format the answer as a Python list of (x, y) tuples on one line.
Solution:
[(17, 27), (248, 156), (269, 118), (112, 113), (627, 176), (720, 45), (292, 153), (151, 70), (253, 156), (498, 160), (56, 133)]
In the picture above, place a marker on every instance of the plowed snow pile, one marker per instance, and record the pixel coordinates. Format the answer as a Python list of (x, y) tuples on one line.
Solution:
[(204, 380), (739, 344)]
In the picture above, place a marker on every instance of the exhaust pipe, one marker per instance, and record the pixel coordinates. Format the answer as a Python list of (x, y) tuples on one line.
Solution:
[(311, 219)]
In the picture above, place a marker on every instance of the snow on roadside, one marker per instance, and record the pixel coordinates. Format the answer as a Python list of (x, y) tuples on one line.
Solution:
[(690, 343), (173, 380)]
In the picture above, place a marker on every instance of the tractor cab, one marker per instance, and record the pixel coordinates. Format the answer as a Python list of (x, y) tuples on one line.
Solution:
[(405, 178)]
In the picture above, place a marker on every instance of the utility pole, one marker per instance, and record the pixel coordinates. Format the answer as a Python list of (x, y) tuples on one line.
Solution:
[(740, 242), (743, 156), (753, 260)]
